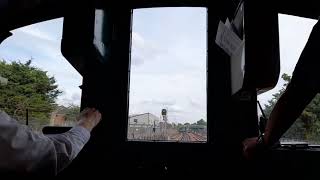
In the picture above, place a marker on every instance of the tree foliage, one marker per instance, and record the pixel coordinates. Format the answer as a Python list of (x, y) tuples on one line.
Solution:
[(202, 122), (186, 125), (29, 88), (71, 112)]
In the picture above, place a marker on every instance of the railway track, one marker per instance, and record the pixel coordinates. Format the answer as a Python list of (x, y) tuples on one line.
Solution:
[(191, 137)]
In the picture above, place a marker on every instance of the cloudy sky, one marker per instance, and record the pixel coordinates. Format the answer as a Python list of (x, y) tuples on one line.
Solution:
[(168, 59)]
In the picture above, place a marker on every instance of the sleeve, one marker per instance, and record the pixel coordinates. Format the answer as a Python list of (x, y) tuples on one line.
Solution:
[(68, 145), (25, 151)]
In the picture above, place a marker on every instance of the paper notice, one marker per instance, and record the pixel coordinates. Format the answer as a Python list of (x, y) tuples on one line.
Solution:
[(227, 39), (237, 62)]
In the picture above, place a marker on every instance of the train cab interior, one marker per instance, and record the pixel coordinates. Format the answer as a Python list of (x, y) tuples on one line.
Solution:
[(147, 98)]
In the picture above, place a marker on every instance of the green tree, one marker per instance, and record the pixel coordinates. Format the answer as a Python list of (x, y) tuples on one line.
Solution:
[(29, 88), (202, 122), (179, 126), (71, 112), (307, 126)]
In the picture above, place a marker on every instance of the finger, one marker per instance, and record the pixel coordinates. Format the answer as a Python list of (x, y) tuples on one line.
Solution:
[(92, 110)]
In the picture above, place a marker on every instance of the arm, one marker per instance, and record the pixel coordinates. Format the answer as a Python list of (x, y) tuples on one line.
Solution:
[(68, 145), (286, 111), (301, 90), (25, 151), (304, 85), (288, 108)]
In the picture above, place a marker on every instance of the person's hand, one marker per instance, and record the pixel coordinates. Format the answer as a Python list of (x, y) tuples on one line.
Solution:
[(250, 147), (89, 118)]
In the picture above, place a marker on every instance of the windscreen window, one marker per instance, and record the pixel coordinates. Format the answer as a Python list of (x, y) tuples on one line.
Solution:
[(168, 70), (38, 86), (293, 35)]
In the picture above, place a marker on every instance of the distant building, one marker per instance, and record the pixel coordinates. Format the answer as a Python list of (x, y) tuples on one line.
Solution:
[(143, 120), (57, 119), (143, 126)]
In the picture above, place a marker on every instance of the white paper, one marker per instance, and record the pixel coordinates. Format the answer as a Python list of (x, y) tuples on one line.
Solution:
[(237, 62), (227, 39), (227, 23)]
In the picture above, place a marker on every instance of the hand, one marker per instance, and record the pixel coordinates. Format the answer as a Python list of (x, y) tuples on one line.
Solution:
[(250, 147), (89, 118)]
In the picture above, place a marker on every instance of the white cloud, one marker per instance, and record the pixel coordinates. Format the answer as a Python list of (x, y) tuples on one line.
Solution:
[(36, 33), (71, 98), (160, 102), (75, 97), (137, 38), (151, 93), (143, 50)]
